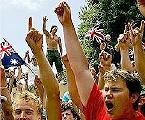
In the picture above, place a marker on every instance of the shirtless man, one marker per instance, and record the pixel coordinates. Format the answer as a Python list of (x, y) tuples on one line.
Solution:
[(53, 41)]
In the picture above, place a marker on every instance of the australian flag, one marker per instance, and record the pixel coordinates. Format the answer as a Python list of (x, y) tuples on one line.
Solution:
[(8, 55)]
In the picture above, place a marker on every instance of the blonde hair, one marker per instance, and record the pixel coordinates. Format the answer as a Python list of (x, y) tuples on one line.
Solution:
[(27, 96)]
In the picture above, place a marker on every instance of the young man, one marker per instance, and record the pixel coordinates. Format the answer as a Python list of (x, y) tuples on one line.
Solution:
[(118, 97), (53, 41), (121, 92), (26, 106), (68, 112)]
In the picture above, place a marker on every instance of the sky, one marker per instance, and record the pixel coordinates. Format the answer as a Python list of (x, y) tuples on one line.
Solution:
[(14, 16)]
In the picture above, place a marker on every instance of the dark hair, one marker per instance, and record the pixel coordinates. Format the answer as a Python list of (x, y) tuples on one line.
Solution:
[(68, 106), (53, 26), (132, 82)]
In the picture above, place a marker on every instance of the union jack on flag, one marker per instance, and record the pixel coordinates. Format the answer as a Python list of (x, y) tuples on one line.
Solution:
[(96, 33), (5, 48), (8, 55)]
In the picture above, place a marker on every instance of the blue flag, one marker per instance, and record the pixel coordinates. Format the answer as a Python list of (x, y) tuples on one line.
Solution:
[(8, 56)]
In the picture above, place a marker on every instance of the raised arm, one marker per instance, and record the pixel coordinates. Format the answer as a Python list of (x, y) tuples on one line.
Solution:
[(77, 59), (34, 40), (27, 57), (105, 65), (44, 26), (72, 87), (139, 54), (123, 45), (7, 105), (40, 91)]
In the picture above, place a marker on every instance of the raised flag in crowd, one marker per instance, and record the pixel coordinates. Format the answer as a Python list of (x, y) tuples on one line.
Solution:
[(9, 56), (96, 33)]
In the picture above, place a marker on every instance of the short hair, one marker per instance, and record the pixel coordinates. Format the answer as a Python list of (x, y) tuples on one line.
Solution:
[(53, 26), (27, 96), (69, 106), (133, 83)]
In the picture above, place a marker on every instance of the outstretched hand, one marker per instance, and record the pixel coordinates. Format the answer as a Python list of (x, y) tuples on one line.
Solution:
[(65, 60), (136, 34), (105, 58), (63, 13), (34, 39), (105, 61), (124, 41), (45, 19)]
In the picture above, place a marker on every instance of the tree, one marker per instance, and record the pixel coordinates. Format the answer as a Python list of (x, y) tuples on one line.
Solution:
[(88, 20), (112, 14)]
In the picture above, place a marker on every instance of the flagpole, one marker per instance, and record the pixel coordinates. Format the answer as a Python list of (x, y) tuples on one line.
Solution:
[(30, 69), (8, 43)]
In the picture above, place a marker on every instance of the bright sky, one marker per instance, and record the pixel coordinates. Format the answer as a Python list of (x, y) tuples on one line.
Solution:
[(14, 16)]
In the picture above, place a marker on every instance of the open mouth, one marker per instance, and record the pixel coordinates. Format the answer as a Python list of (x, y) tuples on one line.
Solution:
[(109, 106)]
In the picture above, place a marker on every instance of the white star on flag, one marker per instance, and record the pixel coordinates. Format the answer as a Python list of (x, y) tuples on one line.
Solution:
[(14, 61)]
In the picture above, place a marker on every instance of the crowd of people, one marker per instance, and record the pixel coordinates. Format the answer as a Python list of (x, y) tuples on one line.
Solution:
[(112, 93)]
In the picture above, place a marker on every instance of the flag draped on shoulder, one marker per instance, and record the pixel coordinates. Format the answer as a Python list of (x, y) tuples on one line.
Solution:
[(9, 56)]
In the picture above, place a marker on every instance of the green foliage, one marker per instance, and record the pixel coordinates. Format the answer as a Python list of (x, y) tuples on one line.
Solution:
[(90, 52), (87, 16), (88, 20), (113, 14), (86, 47)]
